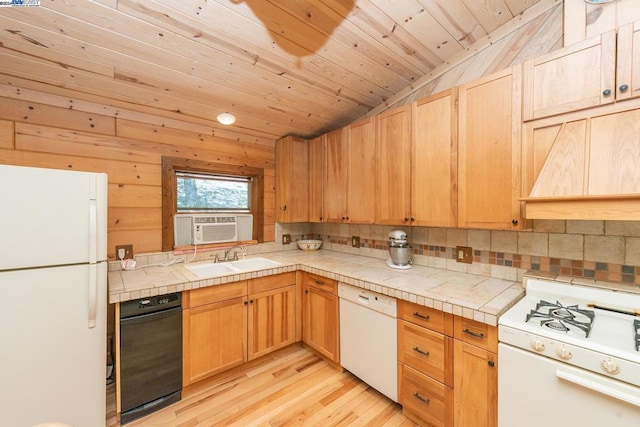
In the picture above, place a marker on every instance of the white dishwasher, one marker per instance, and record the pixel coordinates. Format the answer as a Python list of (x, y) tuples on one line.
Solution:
[(368, 338)]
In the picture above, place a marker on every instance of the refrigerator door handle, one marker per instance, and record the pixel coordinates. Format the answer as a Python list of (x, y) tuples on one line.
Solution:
[(93, 295), (93, 232)]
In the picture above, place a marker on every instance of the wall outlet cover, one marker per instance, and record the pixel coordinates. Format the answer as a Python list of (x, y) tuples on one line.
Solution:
[(464, 254), (355, 241), (286, 239), (128, 251)]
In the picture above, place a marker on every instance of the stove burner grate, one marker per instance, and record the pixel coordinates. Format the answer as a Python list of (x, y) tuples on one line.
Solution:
[(636, 328), (562, 318)]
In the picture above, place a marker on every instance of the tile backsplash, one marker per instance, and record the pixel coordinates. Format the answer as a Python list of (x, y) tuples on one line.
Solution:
[(606, 251)]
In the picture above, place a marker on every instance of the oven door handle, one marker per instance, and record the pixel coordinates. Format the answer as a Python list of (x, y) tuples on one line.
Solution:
[(600, 388)]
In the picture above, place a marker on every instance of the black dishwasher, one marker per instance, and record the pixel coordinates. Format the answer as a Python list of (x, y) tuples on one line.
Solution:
[(150, 354)]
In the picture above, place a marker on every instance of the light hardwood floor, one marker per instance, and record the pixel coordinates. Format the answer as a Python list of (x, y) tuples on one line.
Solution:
[(291, 387)]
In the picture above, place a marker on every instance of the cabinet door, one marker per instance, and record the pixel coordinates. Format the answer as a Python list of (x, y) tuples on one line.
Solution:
[(316, 176), (336, 176), (292, 180), (320, 322), (271, 320), (628, 62), (434, 165), (475, 388), (573, 78), (393, 174), (489, 173), (361, 189), (214, 338)]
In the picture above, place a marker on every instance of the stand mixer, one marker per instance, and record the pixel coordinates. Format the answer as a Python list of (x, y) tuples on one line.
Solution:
[(399, 250)]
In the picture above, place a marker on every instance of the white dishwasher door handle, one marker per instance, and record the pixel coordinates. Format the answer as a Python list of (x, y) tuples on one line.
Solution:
[(598, 387), (363, 300)]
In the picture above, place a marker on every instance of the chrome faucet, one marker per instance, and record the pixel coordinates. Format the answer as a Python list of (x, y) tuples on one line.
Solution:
[(226, 253)]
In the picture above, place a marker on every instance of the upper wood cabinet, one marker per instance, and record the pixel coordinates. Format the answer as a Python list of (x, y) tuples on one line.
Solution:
[(349, 191), (362, 158), (583, 167), (316, 178), (597, 71), (489, 152), (292, 180), (336, 175), (434, 158), (393, 171)]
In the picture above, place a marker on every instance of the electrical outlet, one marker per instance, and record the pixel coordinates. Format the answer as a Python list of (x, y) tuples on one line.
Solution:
[(464, 254), (355, 241), (286, 239), (128, 251)]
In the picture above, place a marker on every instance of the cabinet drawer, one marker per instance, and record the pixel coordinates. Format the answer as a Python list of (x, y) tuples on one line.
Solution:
[(322, 283), (425, 398), (268, 283), (427, 351), (216, 293), (476, 333), (429, 318)]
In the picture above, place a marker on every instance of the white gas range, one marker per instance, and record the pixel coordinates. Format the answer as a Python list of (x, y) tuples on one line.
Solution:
[(575, 351)]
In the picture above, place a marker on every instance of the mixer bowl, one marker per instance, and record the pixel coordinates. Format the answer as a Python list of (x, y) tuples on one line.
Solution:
[(400, 255)]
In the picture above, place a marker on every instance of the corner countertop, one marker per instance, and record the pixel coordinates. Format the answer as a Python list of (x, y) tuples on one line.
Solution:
[(472, 296)]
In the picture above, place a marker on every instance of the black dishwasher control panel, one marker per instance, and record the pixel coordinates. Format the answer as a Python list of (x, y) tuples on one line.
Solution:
[(150, 305)]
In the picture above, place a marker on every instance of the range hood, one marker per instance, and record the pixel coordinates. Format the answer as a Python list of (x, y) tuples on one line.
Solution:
[(591, 169)]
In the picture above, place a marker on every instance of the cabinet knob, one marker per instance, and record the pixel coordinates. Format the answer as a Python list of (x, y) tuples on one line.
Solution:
[(405, 219), (412, 219), (514, 221), (606, 92), (624, 88), (306, 291), (491, 363), (347, 218), (283, 208), (343, 218), (246, 303)]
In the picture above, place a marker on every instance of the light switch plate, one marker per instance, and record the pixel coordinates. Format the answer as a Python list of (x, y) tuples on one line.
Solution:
[(286, 239), (355, 241)]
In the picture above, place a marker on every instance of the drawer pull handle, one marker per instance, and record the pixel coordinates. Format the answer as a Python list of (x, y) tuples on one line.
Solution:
[(417, 396), (473, 334), (421, 316), (319, 282), (419, 350)]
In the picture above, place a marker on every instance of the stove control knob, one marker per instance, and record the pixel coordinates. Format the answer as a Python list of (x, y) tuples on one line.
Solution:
[(610, 367), (537, 345), (564, 353)]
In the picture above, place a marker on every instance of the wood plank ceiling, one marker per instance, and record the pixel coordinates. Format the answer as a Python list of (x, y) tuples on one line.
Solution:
[(300, 67)]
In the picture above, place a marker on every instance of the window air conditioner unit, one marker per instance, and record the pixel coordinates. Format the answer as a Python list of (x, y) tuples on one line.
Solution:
[(198, 229)]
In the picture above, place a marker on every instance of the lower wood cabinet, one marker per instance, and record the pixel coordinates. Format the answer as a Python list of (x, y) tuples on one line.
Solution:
[(475, 373), (226, 325), (214, 330), (271, 314), (423, 398), (447, 368), (320, 317)]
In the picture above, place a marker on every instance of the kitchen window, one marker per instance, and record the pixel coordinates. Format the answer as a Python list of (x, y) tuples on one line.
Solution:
[(205, 192), (199, 186)]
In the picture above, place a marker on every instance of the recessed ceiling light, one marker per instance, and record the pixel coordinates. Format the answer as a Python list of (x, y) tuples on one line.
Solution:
[(226, 118)]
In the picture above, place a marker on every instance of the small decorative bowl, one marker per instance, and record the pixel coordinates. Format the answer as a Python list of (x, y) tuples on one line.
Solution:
[(309, 245)]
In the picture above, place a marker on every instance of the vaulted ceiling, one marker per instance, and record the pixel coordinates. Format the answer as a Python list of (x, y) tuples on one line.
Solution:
[(281, 66)]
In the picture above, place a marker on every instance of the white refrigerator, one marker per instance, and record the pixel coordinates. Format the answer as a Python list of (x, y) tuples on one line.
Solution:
[(53, 290)]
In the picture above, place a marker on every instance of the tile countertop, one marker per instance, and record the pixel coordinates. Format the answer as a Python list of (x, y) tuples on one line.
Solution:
[(472, 296)]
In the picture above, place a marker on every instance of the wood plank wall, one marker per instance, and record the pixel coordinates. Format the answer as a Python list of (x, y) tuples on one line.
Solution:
[(48, 134), (583, 21)]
